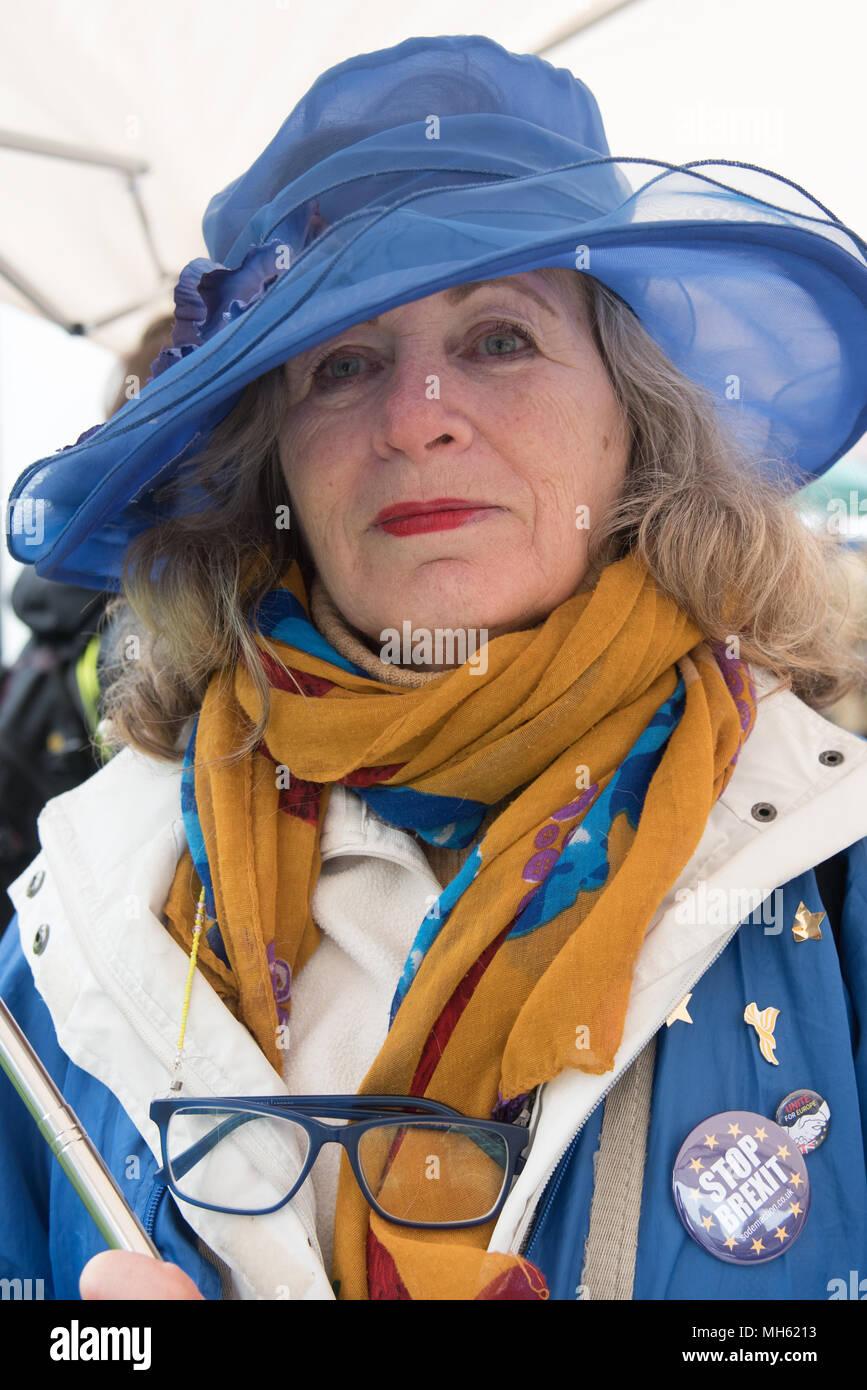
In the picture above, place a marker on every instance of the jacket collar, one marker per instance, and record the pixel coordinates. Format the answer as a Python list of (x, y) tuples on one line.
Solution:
[(113, 978)]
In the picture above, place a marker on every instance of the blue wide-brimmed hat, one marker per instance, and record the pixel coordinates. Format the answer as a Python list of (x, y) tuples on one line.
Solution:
[(447, 160)]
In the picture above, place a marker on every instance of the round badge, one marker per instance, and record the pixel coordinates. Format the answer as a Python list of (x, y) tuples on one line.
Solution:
[(806, 1115), (741, 1187)]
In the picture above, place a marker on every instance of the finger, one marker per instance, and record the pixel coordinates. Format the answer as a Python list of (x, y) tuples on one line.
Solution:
[(122, 1274)]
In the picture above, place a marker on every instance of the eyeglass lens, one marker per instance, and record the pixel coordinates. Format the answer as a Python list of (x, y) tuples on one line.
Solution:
[(431, 1172)]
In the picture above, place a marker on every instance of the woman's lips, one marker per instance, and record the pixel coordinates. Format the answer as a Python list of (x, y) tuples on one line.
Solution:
[(445, 520)]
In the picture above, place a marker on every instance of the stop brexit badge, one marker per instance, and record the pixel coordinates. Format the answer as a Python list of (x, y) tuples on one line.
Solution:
[(741, 1187)]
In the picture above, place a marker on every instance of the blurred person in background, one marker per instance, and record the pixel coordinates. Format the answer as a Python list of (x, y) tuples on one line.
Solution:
[(49, 696)]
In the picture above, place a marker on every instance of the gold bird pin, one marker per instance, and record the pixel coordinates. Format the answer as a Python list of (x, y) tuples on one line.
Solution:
[(763, 1021)]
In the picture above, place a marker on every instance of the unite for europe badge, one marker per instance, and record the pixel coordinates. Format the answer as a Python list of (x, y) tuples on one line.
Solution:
[(741, 1187)]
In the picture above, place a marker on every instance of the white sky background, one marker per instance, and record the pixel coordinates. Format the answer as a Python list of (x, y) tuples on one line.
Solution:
[(778, 83)]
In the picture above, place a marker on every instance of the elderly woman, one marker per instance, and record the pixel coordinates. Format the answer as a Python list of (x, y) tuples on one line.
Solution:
[(475, 887)]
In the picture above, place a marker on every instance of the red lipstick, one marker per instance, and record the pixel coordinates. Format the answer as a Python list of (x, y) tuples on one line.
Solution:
[(439, 514)]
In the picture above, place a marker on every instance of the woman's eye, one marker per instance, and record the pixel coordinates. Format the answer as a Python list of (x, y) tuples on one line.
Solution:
[(499, 332), (503, 330), (319, 371)]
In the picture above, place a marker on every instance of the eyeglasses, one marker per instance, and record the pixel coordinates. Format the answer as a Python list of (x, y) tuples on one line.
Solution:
[(418, 1162)]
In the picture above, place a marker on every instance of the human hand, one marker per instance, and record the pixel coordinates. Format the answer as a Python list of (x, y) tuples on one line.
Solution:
[(122, 1274)]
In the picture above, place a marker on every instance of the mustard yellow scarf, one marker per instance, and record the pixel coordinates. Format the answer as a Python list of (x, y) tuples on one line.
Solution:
[(619, 727)]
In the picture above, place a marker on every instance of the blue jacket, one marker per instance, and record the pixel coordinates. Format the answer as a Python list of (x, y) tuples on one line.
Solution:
[(93, 1004)]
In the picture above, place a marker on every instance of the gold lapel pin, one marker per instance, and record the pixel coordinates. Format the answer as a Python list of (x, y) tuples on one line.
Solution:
[(681, 1012), (764, 1021), (806, 924)]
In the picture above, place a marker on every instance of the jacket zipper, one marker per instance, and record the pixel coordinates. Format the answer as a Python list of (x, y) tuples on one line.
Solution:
[(149, 1221), (150, 1214), (524, 1234)]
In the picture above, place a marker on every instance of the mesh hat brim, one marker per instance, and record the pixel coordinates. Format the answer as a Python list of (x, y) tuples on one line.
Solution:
[(737, 274)]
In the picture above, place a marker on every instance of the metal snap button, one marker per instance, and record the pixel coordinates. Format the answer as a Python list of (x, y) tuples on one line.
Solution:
[(831, 757), (40, 940), (35, 884), (763, 810)]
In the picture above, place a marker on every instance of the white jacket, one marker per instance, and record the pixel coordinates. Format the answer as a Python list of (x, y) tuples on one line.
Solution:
[(113, 980)]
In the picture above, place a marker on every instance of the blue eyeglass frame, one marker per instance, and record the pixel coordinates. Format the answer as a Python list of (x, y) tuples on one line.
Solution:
[(370, 1112)]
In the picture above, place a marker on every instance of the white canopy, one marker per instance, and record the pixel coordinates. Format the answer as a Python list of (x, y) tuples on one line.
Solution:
[(119, 120)]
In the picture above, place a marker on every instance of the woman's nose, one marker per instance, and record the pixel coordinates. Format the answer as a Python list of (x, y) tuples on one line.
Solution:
[(421, 406)]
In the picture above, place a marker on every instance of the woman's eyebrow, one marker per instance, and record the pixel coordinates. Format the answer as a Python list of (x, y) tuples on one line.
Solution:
[(460, 292)]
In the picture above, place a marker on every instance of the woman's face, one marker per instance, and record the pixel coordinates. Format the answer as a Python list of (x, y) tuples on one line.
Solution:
[(434, 400)]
